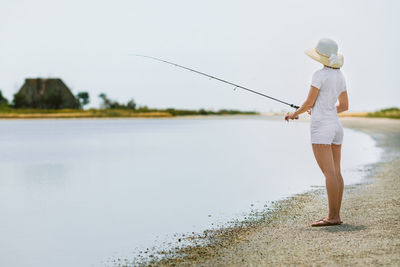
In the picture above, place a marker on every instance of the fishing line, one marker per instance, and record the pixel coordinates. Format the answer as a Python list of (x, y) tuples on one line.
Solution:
[(218, 79)]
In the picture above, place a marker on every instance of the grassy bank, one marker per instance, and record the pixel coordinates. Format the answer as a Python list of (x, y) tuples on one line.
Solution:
[(11, 113), (392, 113)]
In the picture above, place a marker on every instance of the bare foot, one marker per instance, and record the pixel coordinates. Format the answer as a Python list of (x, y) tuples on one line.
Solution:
[(326, 218), (326, 222)]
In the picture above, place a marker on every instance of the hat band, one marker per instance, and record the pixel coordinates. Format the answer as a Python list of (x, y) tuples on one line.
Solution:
[(319, 53)]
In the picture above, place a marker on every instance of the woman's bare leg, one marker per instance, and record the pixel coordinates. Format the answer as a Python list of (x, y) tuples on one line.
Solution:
[(336, 152), (324, 156)]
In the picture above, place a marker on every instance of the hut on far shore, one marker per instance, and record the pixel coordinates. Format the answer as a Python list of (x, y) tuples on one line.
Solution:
[(45, 94)]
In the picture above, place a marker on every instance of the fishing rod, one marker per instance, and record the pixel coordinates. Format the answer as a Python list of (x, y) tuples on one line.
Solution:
[(218, 79)]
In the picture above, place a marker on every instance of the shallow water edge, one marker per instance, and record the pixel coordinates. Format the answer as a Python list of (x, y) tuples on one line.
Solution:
[(193, 249)]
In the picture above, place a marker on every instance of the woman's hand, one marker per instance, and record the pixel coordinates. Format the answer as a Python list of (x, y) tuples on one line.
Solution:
[(291, 116), (309, 112)]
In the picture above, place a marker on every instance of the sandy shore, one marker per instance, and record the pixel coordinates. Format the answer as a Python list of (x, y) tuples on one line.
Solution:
[(370, 234)]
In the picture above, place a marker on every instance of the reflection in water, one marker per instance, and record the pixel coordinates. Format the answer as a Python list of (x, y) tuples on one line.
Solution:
[(77, 192)]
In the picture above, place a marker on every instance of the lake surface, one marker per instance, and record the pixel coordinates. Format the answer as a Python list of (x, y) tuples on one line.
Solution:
[(85, 192)]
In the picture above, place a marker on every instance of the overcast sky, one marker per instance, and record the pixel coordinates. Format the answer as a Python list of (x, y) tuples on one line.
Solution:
[(258, 44)]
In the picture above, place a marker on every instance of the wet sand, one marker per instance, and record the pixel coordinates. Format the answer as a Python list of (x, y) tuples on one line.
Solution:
[(370, 234)]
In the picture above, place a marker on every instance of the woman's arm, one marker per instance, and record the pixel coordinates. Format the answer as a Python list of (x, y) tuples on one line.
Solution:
[(343, 102), (309, 103)]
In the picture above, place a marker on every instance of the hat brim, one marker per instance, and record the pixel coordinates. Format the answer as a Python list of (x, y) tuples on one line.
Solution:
[(312, 53)]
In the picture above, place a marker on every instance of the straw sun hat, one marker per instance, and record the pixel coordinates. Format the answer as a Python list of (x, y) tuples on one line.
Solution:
[(326, 53)]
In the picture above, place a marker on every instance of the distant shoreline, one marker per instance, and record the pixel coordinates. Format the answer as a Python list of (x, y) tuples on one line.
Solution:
[(82, 115), (154, 113), (113, 113)]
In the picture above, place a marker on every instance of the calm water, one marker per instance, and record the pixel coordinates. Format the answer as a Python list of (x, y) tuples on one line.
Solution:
[(84, 192)]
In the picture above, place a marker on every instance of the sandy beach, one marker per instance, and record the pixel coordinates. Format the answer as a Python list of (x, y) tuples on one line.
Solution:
[(370, 234)]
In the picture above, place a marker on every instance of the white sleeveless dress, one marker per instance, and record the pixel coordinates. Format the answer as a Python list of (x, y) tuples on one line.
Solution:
[(325, 124)]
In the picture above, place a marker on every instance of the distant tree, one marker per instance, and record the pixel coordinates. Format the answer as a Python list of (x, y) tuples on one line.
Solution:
[(19, 101), (203, 112), (131, 104), (3, 100), (115, 105), (144, 108), (103, 96), (83, 98), (106, 102)]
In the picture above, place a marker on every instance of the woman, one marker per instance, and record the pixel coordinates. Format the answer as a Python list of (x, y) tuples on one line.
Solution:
[(328, 85)]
